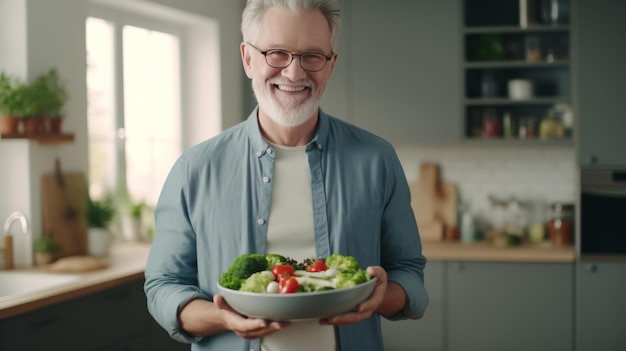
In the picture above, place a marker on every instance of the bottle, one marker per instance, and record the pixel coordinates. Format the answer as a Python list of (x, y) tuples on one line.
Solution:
[(507, 125), (468, 230)]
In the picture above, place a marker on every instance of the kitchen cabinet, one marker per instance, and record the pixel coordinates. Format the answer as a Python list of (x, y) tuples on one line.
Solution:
[(601, 75), (111, 320), (600, 305), (425, 334), (404, 77), (517, 71), (90, 323), (510, 306)]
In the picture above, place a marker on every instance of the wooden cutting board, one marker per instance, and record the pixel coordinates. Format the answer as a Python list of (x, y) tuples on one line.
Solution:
[(435, 204), (64, 201)]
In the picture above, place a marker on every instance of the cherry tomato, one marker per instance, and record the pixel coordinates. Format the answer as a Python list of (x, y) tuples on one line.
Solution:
[(288, 285), (282, 270), (317, 266)]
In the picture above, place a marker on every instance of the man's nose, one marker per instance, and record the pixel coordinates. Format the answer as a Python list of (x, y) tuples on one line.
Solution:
[(294, 71)]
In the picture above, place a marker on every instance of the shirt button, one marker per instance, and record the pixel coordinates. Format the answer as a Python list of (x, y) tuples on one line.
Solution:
[(319, 146), (259, 153), (261, 221), (266, 179)]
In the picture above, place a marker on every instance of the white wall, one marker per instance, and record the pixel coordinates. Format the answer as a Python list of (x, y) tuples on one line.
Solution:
[(36, 35)]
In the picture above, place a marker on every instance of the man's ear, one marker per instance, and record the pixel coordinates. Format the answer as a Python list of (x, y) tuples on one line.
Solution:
[(246, 59)]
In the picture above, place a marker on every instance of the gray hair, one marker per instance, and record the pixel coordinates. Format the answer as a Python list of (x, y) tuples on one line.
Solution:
[(253, 13)]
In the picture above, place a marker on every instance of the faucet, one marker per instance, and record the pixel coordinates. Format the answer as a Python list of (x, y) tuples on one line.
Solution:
[(8, 239)]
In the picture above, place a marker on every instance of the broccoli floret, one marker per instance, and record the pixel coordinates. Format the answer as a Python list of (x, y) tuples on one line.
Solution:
[(257, 282), (346, 280), (274, 259), (343, 264), (229, 281), (242, 267), (361, 276)]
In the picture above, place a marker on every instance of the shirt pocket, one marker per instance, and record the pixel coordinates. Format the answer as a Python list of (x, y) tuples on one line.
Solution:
[(363, 235)]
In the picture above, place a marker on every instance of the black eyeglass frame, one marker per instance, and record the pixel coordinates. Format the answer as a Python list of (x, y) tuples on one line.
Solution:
[(292, 55)]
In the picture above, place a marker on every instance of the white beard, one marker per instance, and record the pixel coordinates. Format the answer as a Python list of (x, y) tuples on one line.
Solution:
[(290, 112)]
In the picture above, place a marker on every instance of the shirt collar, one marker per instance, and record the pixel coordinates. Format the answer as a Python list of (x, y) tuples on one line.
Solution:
[(261, 147)]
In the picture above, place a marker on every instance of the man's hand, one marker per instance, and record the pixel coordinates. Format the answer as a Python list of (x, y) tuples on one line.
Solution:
[(376, 302), (201, 317)]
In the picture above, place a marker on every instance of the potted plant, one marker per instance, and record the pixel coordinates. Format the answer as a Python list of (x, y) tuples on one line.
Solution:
[(45, 247), (11, 101), (99, 215), (135, 212), (47, 96)]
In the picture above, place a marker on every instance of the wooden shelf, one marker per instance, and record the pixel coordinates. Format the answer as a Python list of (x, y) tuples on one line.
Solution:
[(536, 28), (45, 139), (507, 101)]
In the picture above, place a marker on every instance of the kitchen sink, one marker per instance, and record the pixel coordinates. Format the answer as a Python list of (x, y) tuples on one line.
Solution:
[(16, 284)]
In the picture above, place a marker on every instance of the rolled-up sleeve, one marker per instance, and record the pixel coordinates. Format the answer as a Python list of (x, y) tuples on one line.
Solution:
[(171, 270)]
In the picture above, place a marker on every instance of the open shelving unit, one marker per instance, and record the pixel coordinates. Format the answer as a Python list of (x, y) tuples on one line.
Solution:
[(505, 40)]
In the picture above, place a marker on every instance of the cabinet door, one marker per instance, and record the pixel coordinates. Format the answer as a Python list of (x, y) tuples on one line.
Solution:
[(601, 53), (405, 68), (600, 306), (425, 334), (113, 317), (59, 327), (510, 306)]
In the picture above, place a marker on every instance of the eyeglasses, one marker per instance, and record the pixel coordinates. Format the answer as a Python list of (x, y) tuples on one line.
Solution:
[(309, 61)]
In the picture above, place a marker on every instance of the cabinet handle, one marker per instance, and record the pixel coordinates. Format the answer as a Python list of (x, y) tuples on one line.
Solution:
[(591, 268)]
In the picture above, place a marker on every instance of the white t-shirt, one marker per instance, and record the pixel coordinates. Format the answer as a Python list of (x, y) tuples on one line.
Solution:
[(291, 199)]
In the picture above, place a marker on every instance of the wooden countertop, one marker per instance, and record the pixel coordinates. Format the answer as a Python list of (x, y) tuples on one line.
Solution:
[(481, 251), (127, 263), (128, 260)]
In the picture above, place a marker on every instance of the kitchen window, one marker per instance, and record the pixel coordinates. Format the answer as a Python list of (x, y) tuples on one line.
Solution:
[(134, 108)]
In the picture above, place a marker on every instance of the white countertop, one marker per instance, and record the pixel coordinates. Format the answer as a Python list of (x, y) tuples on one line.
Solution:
[(126, 264)]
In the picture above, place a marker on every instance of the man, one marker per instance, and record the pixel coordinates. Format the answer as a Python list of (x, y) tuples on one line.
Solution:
[(289, 180)]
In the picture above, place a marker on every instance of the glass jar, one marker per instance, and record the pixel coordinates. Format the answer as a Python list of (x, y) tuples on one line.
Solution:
[(561, 224), (491, 124)]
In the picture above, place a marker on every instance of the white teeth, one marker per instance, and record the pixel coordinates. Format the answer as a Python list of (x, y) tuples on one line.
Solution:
[(290, 88)]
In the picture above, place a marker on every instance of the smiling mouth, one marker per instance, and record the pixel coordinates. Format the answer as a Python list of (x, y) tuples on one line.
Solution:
[(290, 88)]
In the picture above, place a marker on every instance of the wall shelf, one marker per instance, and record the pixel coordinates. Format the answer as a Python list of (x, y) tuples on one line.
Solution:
[(45, 139)]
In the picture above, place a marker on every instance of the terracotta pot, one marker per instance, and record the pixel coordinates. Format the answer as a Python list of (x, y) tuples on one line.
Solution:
[(9, 125), (34, 126), (54, 125)]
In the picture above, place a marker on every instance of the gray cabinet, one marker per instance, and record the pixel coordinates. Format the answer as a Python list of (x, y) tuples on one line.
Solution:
[(425, 334), (600, 306), (510, 306), (404, 72), (115, 319), (601, 75)]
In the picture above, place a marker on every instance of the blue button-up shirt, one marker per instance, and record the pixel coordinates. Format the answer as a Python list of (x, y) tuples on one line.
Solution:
[(215, 204)]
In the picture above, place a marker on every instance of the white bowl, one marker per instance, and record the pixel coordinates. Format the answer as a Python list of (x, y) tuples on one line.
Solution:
[(297, 306)]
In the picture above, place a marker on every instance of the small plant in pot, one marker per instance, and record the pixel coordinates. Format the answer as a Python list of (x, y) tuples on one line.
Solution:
[(14, 96), (135, 212), (99, 215), (45, 247), (49, 97)]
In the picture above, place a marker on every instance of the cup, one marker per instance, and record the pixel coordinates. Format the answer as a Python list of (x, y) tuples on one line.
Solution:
[(520, 89)]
